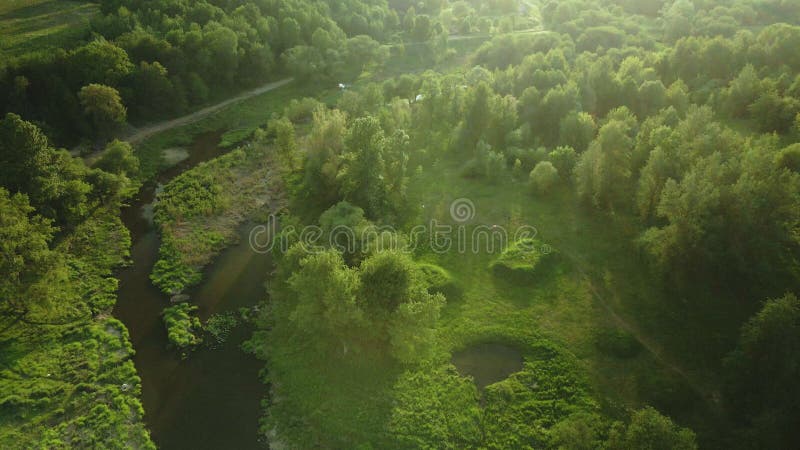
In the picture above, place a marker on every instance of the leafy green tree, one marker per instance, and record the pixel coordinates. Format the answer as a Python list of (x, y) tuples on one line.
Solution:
[(25, 255), (678, 96), (652, 97), (745, 89), (543, 177), (283, 129), (773, 112), (118, 158), (577, 130), (364, 52), (649, 429), (361, 173), (103, 105), (98, 62), (789, 158), (761, 374), (555, 105), (221, 44), (53, 180), (397, 301), (580, 431), (603, 173), (563, 159), (476, 119), (325, 290), (324, 155), (155, 95), (388, 279)]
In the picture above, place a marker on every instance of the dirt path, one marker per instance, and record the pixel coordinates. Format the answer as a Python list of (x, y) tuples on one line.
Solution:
[(144, 133)]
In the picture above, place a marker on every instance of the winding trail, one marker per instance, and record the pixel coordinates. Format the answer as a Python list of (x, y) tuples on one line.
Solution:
[(141, 134)]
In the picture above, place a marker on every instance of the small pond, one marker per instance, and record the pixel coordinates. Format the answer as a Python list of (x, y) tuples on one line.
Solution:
[(488, 363)]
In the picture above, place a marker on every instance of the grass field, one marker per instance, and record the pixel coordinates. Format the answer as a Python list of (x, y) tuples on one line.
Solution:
[(28, 26), (598, 286)]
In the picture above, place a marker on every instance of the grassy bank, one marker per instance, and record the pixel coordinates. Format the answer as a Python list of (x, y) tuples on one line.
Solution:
[(66, 374), (199, 212)]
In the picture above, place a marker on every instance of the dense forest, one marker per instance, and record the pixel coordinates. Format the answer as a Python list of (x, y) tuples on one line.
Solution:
[(650, 149)]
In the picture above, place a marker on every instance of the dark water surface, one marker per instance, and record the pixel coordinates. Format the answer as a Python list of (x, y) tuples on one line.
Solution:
[(488, 363), (212, 399)]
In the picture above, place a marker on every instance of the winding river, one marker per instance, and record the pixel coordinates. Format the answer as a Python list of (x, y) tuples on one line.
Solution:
[(212, 399)]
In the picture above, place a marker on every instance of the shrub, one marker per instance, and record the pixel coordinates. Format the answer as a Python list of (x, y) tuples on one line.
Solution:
[(182, 327), (789, 158), (543, 177), (219, 326), (301, 110), (523, 258), (564, 160), (439, 280)]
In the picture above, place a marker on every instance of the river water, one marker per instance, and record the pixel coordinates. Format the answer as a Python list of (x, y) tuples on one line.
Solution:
[(212, 399)]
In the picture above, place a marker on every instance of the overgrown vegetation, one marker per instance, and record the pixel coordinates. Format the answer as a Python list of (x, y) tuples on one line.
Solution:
[(608, 123), (198, 212), (653, 144), (523, 258), (183, 328)]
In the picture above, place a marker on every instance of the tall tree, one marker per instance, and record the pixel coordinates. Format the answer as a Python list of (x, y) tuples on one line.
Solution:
[(761, 375), (103, 105), (25, 255)]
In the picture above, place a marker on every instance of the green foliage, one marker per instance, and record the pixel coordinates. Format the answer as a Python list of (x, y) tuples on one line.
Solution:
[(325, 290), (283, 129), (302, 110), (183, 329), (789, 158), (579, 431), (548, 389), (563, 160), (171, 274), (436, 408), (68, 378), (55, 182), (649, 429), (220, 326), (577, 130), (759, 373), (118, 158), (198, 213), (439, 280), (521, 258), (603, 173), (104, 107), (26, 255), (543, 177)]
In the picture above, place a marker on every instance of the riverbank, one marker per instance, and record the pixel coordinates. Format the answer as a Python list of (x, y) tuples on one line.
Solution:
[(67, 375), (199, 211), (204, 401)]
